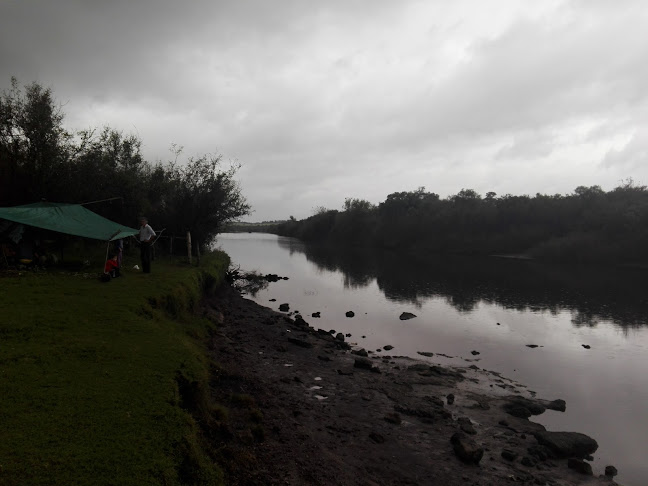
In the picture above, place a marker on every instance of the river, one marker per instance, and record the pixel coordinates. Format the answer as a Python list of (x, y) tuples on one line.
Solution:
[(493, 306)]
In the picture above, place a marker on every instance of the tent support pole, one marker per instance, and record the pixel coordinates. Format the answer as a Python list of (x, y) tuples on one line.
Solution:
[(107, 249)]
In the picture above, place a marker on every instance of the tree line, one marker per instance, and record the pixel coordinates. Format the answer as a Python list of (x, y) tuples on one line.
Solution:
[(588, 225), (41, 160)]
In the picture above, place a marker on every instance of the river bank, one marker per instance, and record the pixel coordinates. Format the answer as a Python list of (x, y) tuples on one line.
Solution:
[(304, 409)]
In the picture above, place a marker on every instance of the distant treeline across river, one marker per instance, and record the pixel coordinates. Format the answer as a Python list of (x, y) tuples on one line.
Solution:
[(589, 225)]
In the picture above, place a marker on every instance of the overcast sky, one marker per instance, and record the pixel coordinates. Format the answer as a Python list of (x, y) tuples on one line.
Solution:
[(319, 101)]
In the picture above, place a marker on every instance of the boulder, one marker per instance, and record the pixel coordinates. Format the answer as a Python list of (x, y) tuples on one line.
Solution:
[(359, 352), (580, 466), (315, 314), (339, 336), (466, 425), (474, 353), (523, 407), (284, 307), (350, 314), (611, 471), (466, 449), (406, 315), (557, 405), (363, 363), (425, 353), (389, 347), (567, 444)]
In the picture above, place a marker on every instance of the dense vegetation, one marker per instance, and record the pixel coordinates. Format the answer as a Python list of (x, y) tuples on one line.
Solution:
[(41, 160), (263, 227), (588, 225)]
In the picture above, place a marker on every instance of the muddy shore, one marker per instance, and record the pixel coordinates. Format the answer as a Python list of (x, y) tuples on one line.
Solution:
[(305, 407)]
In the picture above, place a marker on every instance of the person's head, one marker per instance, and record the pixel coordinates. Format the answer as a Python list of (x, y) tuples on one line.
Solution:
[(143, 221), (113, 256)]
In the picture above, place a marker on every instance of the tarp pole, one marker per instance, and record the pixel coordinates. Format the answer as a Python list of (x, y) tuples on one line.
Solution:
[(101, 200), (106, 260)]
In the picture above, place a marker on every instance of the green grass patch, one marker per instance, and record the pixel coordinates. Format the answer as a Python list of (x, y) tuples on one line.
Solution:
[(102, 383)]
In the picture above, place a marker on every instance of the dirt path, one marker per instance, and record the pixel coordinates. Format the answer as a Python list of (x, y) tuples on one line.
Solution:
[(304, 410)]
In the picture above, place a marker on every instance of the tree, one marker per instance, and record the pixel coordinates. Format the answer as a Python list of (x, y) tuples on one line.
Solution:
[(34, 146), (202, 197)]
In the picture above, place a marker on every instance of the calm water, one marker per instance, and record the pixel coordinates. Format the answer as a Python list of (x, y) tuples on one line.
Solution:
[(459, 302)]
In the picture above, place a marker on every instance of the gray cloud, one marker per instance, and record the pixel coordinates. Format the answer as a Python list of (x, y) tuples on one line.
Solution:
[(353, 98)]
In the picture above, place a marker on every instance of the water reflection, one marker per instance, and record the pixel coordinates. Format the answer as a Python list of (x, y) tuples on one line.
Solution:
[(591, 294)]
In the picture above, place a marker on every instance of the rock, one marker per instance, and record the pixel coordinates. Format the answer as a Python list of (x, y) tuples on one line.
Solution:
[(323, 358), (531, 345), (586, 346), (339, 336), (466, 449), (315, 314), (579, 465), (509, 455), (272, 300), (393, 418), (611, 471), (389, 347), (523, 407), (359, 352), (466, 425), (271, 277), (363, 363), (350, 314), (567, 444), (348, 334), (450, 398), (300, 342), (437, 402), (299, 321), (344, 373), (557, 405), (474, 353), (284, 307), (425, 353), (406, 315)]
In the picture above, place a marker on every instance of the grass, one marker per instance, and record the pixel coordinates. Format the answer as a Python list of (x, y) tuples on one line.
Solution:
[(92, 375)]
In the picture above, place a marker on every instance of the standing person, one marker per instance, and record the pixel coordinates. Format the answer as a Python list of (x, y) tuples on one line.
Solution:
[(146, 235), (119, 248)]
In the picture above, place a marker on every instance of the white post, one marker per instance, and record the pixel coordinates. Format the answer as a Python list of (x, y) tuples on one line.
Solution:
[(189, 246)]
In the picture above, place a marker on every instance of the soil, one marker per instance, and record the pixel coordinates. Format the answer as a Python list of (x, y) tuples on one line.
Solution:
[(302, 409)]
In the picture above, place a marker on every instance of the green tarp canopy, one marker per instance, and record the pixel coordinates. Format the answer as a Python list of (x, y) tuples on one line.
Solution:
[(71, 219)]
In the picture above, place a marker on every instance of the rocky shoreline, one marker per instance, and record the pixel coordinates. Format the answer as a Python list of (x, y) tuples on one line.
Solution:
[(304, 407)]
